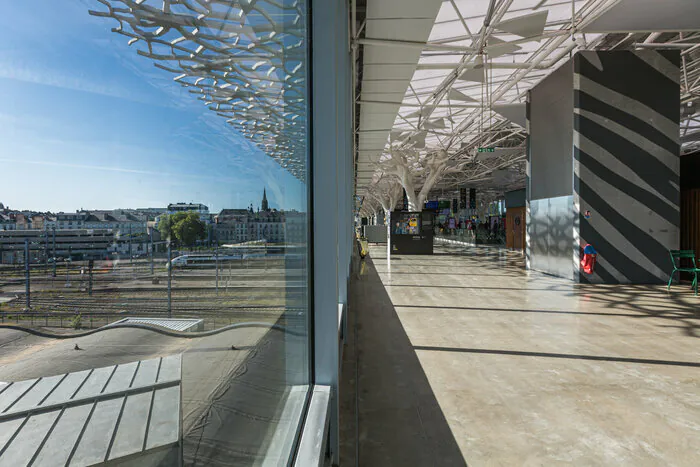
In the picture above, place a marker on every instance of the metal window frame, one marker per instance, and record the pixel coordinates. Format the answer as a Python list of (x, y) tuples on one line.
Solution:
[(330, 237)]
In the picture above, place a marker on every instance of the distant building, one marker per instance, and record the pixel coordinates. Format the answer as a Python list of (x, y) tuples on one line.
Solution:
[(151, 212), (122, 221), (82, 234), (97, 234), (7, 222), (125, 221), (264, 205), (245, 225), (67, 220), (22, 221), (267, 225), (77, 244), (188, 207), (231, 226), (199, 208), (37, 221)]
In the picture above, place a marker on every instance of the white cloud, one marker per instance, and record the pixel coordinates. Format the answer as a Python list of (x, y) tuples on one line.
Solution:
[(56, 78), (117, 169)]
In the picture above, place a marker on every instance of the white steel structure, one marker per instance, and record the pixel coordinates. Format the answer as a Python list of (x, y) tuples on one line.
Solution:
[(435, 80), (439, 79), (243, 60)]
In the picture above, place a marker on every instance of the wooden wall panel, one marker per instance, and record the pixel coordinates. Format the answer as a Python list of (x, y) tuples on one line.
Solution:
[(515, 233)]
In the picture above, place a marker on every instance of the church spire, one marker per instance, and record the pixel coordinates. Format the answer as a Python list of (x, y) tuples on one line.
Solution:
[(265, 206)]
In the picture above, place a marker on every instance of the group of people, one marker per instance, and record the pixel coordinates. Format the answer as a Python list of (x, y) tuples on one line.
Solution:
[(472, 228)]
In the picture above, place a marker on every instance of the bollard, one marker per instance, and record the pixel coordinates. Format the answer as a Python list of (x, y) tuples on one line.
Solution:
[(54, 252), (26, 272), (91, 264), (170, 278), (150, 236)]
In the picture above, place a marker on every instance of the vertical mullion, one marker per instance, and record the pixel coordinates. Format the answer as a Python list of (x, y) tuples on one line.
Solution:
[(326, 17)]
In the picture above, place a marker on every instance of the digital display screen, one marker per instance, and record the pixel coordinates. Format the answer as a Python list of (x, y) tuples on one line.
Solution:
[(407, 223)]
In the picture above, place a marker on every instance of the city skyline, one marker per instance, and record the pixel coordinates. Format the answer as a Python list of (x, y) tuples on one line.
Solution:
[(257, 206)]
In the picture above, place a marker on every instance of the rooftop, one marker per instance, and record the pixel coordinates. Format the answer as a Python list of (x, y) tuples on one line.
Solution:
[(64, 418)]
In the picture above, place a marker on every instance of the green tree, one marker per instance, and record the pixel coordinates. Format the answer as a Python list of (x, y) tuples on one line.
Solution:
[(189, 228), (165, 227), (77, 321), (184, 228)]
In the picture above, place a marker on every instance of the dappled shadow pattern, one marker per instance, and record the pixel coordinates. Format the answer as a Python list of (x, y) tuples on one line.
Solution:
[(679, 307)]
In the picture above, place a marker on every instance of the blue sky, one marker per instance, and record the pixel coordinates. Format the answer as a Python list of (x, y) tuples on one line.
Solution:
[(87, 123)]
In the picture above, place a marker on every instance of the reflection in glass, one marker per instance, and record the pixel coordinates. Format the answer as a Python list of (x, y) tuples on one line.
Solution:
[(155, 217)]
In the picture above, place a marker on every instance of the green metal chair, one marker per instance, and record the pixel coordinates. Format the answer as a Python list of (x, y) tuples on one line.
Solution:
[(676, 257)]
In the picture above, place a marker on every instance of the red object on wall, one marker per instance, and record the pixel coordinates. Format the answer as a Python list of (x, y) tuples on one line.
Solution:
[(589, 259)]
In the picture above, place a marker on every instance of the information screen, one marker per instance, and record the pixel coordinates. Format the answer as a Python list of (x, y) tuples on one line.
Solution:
[(407, 223)]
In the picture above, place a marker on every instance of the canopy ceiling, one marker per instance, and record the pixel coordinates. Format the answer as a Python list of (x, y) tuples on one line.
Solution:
[(460, 83)]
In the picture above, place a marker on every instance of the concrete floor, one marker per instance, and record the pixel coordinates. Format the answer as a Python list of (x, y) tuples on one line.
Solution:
[(465, 358)]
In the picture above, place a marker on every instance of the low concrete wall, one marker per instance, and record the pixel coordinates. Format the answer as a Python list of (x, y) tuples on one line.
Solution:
[(375, 233)]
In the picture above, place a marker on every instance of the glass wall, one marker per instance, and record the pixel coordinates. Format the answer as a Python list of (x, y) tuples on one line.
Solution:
[(154, 231)]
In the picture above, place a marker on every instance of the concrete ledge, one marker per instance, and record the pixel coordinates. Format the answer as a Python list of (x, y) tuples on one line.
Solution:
[(312, 447)]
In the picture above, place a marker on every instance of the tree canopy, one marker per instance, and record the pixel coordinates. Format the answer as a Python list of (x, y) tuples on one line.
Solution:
[(184, 228)]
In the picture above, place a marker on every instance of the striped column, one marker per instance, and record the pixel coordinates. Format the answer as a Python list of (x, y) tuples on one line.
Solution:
[(528, 173), (627, 162)]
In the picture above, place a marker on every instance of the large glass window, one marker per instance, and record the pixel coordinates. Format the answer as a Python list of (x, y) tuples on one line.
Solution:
[(140, 317)]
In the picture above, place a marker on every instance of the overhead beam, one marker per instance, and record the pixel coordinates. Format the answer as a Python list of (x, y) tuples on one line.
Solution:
[(500, 66), (413, 44), (441, 106), (667, 45)]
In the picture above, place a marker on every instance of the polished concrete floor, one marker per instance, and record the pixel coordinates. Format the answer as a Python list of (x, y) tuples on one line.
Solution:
[(465, 358)]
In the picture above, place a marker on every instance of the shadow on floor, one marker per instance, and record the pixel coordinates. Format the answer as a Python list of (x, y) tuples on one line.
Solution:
[(518, 310), (599, 358), (679, 307), (393, 419)]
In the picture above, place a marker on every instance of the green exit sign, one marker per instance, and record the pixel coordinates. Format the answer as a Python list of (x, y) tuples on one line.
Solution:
[(487, 149)]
